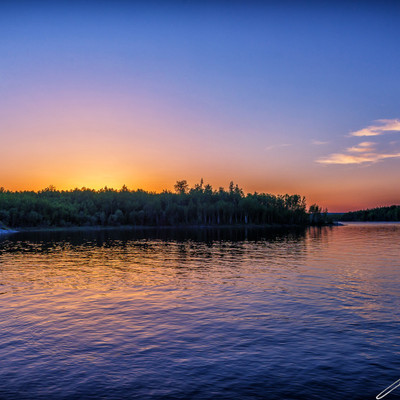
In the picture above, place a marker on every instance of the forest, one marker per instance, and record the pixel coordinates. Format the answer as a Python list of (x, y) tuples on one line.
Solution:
[(391, 213), (199, 205)]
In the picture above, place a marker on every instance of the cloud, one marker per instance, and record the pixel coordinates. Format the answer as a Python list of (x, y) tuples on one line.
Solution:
[(343, 158), (275, 146), (364, 152), (363, 147), (318, 142), (368, 152), (385, 126)]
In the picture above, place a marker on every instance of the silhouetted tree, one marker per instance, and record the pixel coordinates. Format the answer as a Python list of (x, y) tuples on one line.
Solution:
[(199, 205), (181, 187)]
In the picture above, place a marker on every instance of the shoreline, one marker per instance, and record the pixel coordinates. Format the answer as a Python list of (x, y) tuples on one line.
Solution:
[(147, 227), (99, 228)]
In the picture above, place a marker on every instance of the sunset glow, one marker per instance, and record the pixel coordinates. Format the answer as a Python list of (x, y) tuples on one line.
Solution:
[(278, 99)]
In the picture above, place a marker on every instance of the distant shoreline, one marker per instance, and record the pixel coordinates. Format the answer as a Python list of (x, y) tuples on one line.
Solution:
[(99, 228)]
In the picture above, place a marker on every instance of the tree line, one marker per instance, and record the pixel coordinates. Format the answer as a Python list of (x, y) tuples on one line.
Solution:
[(199, 205), (391, 213)]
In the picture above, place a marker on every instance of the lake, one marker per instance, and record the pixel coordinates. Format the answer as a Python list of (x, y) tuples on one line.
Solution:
[(201, 314)]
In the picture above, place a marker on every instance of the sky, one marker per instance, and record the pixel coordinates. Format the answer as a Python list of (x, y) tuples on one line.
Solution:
[(279, 98)]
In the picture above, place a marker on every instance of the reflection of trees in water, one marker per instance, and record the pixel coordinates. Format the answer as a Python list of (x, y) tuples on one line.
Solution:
[(146, 240), (150, 255), (320, 235), (120, 258)]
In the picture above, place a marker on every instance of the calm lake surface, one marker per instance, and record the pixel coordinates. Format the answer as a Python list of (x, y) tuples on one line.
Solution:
[(201, 314)]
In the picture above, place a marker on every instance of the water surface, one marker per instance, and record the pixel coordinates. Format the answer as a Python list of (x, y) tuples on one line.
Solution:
[(201, 314)]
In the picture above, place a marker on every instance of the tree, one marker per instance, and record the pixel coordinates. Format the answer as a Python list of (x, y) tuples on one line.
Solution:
[(315, 214), (181, 187), (197, 205)]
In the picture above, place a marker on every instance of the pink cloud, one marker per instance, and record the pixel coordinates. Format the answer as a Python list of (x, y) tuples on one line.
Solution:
[(343, 158), (385, 126)]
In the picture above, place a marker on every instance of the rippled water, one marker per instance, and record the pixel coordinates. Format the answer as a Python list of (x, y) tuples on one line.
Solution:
[(175, 314)]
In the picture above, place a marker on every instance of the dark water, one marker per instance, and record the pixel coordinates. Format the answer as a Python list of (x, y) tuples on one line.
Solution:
[(201, 314)]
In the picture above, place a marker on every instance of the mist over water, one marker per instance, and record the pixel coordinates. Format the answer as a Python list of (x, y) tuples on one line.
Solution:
[(200, 314)]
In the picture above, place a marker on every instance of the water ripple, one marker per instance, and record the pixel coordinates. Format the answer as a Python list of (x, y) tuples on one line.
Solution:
[(201, 315)]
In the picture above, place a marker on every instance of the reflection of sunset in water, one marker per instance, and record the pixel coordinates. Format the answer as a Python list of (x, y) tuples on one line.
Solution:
[(142, 312)]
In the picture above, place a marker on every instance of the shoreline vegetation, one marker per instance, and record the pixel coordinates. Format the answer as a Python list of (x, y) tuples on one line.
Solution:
[(199, 206), (378, 214)]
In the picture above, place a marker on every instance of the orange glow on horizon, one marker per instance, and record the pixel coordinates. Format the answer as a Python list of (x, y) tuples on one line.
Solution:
[(337, 202), (85, 141)]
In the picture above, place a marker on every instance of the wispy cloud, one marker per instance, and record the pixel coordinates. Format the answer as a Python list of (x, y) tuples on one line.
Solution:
[(364, 152), (318, 142), (368, 152), (343, 158), (383, 126), (363, 147), (275, 146)]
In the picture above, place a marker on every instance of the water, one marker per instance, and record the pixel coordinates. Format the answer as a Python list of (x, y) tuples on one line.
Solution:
[(228, 314)]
